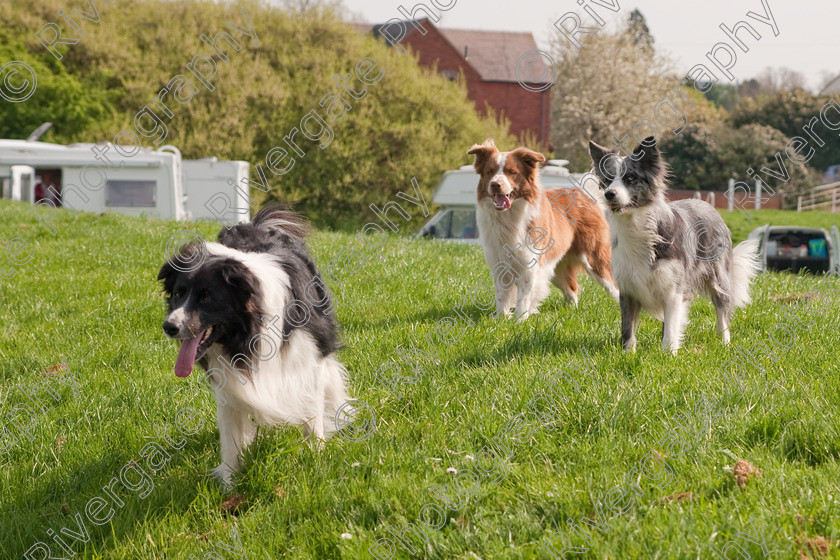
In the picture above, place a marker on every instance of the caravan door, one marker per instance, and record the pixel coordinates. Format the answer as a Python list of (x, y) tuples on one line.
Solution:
[(23, 183)]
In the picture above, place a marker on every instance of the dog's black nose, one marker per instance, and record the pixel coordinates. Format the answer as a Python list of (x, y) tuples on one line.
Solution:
[(609, 195), (170, 328), (495, 185)]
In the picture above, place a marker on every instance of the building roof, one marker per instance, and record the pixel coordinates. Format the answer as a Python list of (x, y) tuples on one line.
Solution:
[(493, 54), (363, 27)]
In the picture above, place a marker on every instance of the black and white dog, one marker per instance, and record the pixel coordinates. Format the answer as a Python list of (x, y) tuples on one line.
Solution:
[(664, 254), (254, 312)]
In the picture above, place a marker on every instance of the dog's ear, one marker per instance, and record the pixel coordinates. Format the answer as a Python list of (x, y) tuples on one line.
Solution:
[(602, 161), (483, 152), (167, 275), (245, 286), (598, 152), (238, 276), (529, 159), (245, 298), (647, 153), (183, 260)]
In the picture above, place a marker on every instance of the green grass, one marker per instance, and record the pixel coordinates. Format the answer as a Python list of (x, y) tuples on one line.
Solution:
[(89, 295)]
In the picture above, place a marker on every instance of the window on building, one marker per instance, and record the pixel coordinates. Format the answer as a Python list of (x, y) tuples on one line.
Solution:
[(450, 75)]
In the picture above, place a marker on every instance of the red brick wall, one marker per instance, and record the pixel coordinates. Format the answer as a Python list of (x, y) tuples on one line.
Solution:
[(527, 111)]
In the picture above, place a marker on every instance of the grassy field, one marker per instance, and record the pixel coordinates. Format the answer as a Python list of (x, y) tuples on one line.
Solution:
[(618, 440)]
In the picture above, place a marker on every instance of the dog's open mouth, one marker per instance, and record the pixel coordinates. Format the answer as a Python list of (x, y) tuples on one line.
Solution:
[(192, 349), (502, 201), (616, 207)]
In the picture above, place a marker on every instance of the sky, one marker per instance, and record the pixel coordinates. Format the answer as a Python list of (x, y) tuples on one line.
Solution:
[(808, 39)]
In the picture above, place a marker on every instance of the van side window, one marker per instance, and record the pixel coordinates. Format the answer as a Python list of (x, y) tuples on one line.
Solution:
[(463, 224), (441, 230)]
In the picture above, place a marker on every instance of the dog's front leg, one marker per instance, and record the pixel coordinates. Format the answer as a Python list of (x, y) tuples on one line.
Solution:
[(630, 309), (524, 294), (672, 328), (236, 432), (313, 429), (504, 299)]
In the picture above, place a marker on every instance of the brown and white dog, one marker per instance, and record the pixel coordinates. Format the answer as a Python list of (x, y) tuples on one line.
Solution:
[(530, 239)]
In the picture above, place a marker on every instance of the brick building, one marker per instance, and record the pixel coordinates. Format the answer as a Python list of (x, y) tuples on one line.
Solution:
[(488, 61)]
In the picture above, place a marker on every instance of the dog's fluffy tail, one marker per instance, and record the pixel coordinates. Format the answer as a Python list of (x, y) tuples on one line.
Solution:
[(277, 217), (745, 266)]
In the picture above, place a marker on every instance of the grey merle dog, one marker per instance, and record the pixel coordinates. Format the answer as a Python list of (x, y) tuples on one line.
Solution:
[(666, 253)]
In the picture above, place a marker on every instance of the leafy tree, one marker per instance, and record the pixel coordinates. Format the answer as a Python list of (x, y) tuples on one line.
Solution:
[(789, 111), (638, 29), (725, 96), (411, 123), (691, 156), (607, 86), (705, 158), (60, 96), (772, 80), (613, 82)]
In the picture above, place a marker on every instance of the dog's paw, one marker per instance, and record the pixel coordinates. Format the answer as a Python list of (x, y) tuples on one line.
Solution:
[(672, 349), (224, 475)]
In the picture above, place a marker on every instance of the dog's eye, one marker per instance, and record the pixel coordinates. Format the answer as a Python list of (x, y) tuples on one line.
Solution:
[(179, 293), (206, 297), (630, 178)]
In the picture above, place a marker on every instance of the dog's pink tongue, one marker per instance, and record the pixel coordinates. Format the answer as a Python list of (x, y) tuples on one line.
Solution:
[(186, 356), (501, 201)]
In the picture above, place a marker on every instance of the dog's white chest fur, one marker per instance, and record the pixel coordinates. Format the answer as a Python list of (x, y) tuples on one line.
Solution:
[(497, 229), (634, 269)]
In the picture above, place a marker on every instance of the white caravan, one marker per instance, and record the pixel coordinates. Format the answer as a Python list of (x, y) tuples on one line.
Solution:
[(154, 183)]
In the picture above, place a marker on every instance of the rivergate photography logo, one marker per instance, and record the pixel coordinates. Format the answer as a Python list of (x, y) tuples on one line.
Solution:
[(18, 81), (706, 240), (535, 71)]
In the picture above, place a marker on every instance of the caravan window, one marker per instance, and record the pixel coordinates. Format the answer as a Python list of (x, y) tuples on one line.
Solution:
[(131, 193)]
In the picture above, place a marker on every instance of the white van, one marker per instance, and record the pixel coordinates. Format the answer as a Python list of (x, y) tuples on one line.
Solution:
[(456, 192)]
